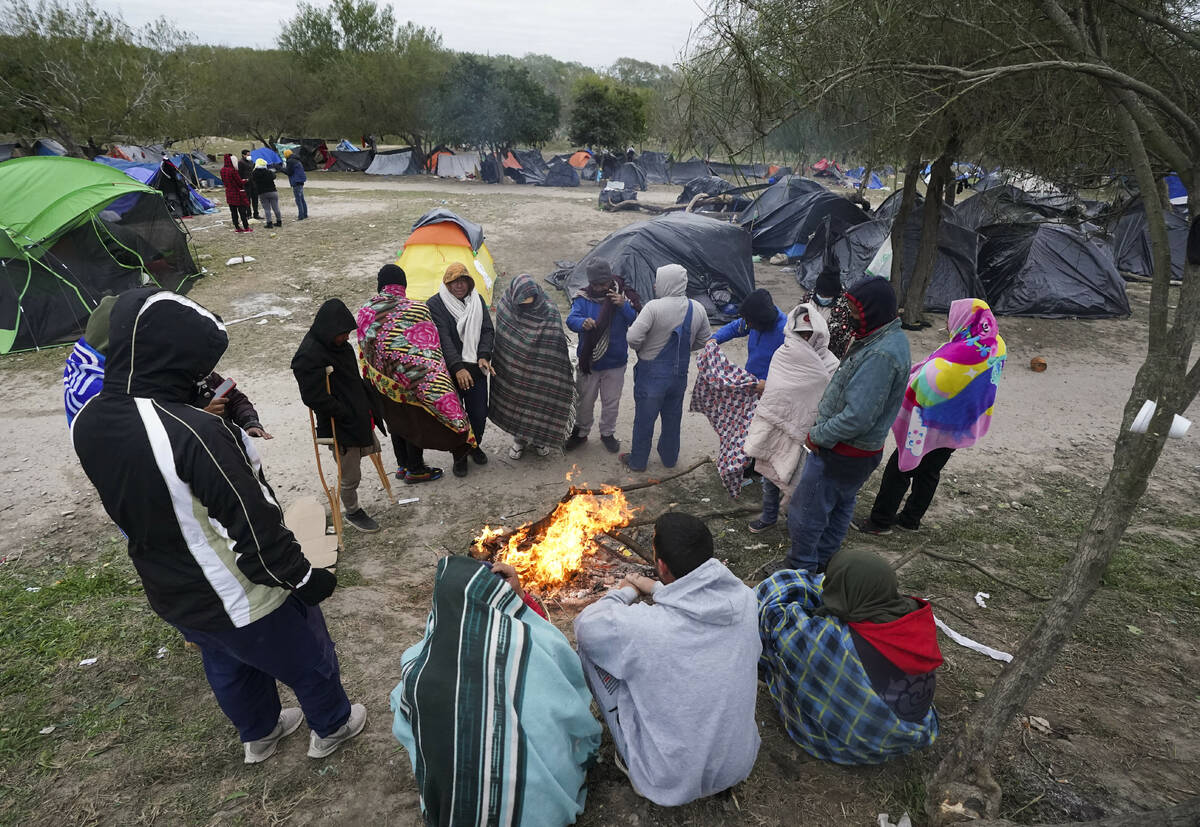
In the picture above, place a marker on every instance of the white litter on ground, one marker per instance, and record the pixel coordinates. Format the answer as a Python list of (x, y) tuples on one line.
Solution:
[(980, 597), (88, 661), (240, 260), (963, 640)]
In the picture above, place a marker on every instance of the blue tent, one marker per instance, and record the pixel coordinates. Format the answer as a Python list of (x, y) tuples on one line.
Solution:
[(855, 176), (269, 154), (148, 174), (1176, 191), (345, 146), (48, 146)]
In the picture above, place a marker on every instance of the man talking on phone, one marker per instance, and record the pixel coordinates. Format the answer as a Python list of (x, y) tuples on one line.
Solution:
[(601, 314)]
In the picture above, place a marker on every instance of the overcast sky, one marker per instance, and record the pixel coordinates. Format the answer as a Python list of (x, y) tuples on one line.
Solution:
[(654, 30)]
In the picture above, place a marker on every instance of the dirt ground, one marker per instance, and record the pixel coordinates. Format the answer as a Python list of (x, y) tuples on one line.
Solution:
[(1122, 704)]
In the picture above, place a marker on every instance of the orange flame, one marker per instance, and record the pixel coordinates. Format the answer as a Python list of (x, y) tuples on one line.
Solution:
[(547, 562)]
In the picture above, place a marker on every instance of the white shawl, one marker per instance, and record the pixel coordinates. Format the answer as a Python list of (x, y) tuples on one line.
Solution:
[(799, 372), (468, 319)]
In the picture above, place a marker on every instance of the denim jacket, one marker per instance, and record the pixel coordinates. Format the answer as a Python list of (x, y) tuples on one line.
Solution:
[(864, 395)]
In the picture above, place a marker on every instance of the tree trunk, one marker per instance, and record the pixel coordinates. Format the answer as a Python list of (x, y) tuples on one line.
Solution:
[(964, 775), (931, 217), (862, 185), (951, 189), (907, 196)]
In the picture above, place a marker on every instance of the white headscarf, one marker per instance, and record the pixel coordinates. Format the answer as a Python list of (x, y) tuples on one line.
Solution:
[(468, 319)]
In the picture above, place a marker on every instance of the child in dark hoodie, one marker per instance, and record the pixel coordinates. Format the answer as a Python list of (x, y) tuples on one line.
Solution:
[(345, 406), (763, 322)]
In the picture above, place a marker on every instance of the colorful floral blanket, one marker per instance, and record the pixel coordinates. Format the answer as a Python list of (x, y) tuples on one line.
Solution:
[(401, 356), (725, 393)]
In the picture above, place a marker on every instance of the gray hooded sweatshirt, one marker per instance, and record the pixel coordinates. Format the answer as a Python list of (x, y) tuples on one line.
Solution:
[(686, 676), (652, 328)]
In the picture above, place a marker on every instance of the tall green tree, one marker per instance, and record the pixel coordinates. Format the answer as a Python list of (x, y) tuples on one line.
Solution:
[(318, 35), (606, 114)]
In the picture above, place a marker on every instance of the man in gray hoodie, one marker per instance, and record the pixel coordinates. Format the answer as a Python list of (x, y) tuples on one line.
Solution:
[(676, 680)]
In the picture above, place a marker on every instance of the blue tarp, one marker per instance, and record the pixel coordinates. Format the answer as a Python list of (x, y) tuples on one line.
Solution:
[(1176, 191), (345, 146), (148, 175), (271, 155), (856, 175)]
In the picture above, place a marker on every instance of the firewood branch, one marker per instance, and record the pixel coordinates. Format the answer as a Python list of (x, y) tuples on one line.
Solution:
[(963, 562), (575, 492)]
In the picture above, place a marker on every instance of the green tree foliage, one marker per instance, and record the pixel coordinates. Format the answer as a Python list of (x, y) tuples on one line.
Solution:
[(320, 36), (606, 114), (490, 105), (74, 71)]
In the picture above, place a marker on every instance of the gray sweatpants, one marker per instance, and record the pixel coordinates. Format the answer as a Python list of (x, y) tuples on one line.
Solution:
[(607, 384), (352, 457), (270, 204)]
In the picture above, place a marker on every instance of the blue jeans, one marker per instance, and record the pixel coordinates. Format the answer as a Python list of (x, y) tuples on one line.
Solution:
[(659, 385), (475, 403), (770, 502), (821, 507), (290, 645), (301, 204)]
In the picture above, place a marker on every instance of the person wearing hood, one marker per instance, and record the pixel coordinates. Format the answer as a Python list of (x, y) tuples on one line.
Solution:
[(205, 531), (676, 680), (763, 322), (171, 184), (787, 409), (850, 663), (235, 196), (601, 314), (294, 170), (467, 336), (665, 332), (264, 185), (245, 169), (344, 411), (83, 378), (947, 405), (830, 300), (846, 442)]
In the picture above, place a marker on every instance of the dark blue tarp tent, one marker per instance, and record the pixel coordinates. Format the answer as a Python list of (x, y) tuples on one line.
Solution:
[(148, 174), (788, 212)]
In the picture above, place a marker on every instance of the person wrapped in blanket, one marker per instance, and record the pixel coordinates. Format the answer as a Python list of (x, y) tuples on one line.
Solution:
[(850, 663), (83, 377), (492, 706)]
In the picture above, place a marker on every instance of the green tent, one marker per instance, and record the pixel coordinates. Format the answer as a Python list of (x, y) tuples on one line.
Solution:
[(72, 232)]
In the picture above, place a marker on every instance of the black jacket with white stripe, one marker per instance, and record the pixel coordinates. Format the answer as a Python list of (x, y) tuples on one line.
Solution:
[(205, 532)]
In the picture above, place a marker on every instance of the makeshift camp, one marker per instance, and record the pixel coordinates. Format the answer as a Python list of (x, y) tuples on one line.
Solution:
[(1051, 271), (682, 171), (350, 160), (655, 164), (741, 171), (525, 166), (788, 212), (312, 153), (72, 232), (1130, 232), (438, 238), (954, 269), (150, 174), (584, 163), (391, 163), (560, 173), (1006, 204), (629, 174), (457, 166), (716, 255), (711, 186), (855, 177)]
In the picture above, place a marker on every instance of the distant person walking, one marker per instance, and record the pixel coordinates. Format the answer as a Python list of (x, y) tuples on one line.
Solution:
[(235, 196), (246, 170), (264, 185), (296, 177)]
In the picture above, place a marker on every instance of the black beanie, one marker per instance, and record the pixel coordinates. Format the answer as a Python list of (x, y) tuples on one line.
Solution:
[(759, 311), (829, 282), (391, 274)]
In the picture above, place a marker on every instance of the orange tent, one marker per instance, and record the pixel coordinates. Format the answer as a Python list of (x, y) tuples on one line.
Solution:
[(432, 161), (580, 159), (511, 162)]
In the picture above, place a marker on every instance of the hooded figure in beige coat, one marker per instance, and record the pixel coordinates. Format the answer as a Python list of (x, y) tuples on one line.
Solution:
[(800, 370)]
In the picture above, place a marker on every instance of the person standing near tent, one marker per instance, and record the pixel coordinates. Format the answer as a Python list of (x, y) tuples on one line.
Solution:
[(246, 171), (205, 532), (663, 336), (296, 177), (854, 415), (830, 301), (235, 196), (173, 187), (339, 399), (466, 335), (760, 320), (601, 314), (264, 185), (947, 406)]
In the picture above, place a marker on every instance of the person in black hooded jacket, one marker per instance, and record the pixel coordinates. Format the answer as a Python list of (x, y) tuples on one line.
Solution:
[(206, 534), (346, 405)]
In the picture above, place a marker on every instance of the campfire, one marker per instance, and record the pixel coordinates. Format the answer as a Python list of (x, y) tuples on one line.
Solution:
[(549, 553)]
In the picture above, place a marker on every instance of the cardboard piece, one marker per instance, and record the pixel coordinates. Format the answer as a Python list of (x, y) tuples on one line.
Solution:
[(306, 519)]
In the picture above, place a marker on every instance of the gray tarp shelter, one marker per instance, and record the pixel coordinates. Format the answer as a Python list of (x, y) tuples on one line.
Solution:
[(391, 163), (713, 252), (560, 174), (345, 160), (684, 171), (1130, 233), (654, 164)]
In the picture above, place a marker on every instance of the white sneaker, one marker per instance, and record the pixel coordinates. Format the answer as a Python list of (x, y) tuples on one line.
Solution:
[(516, 450), (319, 747), (264, 748)]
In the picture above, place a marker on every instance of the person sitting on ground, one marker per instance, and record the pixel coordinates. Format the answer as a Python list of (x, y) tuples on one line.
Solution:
[(533, 389), (264, 185), (294, 170), (401, 356), (83, 378), (205, 531), (676, 681), (601, 314), (763, 322), (466, 335), (235, 196), (492, 707), (800, 370), (947, 406), (665, 332), (343, 411), (830, 300), (245, 169), (849, 662)]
